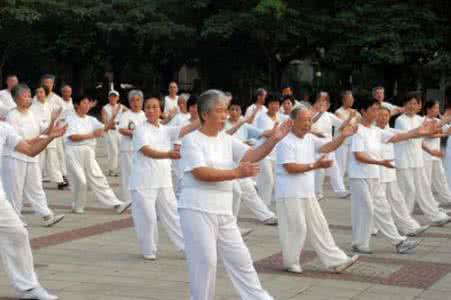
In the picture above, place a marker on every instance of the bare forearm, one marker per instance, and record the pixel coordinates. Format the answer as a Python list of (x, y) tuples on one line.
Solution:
[(126, 132), (35, 148), (155, 154), (81, 137), (294, 168), (333, 145), (214, 175), (257, 154), (364, 158)]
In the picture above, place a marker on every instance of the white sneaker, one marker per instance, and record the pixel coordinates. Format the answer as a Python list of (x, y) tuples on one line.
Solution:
[(296, 269), (343, 195), (341, 268), (52, 220), (38, 293), (150, 257), (123, 207), (271, 221)]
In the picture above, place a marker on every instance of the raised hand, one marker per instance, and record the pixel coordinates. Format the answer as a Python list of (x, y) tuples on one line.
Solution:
[(56, 130), (98, 132), (281, 131), (323, 163), (248, 169), (174, 154), (349, 130), (438, 153)]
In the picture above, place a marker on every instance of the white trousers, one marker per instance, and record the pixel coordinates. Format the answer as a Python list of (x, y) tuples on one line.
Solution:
[(342, 154), (60, 150), (112, 149), (414, 185), (300, 219), (145, 207), (126, 165), (50, 165), (334, 173), (83, 171), (265, 180), (15, 250), (401, 215), (370, 209), (23, 181), (244, 191), (437, 179), (208, 236)]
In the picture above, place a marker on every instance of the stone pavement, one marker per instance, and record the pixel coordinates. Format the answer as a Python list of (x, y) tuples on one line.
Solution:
[(96, 256)]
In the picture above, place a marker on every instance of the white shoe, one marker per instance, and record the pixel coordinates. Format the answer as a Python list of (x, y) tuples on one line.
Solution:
[(343, 195), (123, 207), (296, 269), (52, 220), (341, 268), (271, 221), (150, 257), (38, 293), (78, 211)]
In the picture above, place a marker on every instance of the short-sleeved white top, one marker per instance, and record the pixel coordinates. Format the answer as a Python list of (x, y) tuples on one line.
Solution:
[(293, 149), (78, 125), (251, 109), (220, 152), (6, 102), (388, 152), (245, 132), (149, 173), (9, 138), (264, 122), (170, 103), (130, 119), (326, 122), (431, 143), (409, 154)]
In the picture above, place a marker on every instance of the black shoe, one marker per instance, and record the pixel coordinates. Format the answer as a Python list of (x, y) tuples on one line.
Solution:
[(62, 186)]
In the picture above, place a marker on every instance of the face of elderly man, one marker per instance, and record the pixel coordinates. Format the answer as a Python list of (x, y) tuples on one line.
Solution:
[(303, 121), (11, 82), (215, 118), (66, 92)]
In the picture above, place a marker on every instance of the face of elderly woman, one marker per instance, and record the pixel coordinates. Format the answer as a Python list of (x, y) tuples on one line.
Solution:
[(216, 117), (152, 109), (303, 122), (136, 103), (23, 100)]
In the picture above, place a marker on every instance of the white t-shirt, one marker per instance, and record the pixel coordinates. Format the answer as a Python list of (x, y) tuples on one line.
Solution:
[(6, 102), (264, 122), (108, 108), (130, 119), (170, 103), (220, 152), (409, 154), (325, 123), (250, 110), (368, 140), (78, 125), (43, 116), (245, 132), (55, 101), (8, 142), (293, 149), (388, 152), (68, 109), (148, 173), (431, 143), (345, 114), (27, 127), (179, 119)]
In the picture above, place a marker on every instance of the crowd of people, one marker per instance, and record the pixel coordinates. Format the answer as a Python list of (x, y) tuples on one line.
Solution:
[(189, 162)]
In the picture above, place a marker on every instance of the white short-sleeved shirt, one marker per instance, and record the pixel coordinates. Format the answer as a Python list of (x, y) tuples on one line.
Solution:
[(148, 173), (130, 119), (251, 109), (264, 122), (170, 103), (368, 140), (245, 132), (388, 152), (220, 152), (108, 108), (293, 149), (431, 143), (345, 113), (27, 127), (78, 125), (6, 102), (179, 119), (68, 109), (409, 154), (55, 101), (326, 122), (43, 115), (9, 138)]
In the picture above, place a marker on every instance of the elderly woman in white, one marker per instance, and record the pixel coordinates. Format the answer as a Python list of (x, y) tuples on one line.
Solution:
[(300, 215), (21, 175), (210, 157), (128, 122), (150, 179)]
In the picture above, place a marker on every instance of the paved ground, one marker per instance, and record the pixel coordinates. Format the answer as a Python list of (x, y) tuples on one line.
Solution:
[(96, 256)]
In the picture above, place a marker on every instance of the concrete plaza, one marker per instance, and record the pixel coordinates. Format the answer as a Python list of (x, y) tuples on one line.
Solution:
[(96, 256)]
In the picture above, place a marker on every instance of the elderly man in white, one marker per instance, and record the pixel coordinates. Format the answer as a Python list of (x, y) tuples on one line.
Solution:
[(6, 99), (300, 215), (210, 158)]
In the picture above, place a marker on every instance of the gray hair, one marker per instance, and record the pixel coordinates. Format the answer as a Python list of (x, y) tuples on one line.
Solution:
[(298, 109), (134, 93), (208, 100), (183, 96), (65, 86), (19, 90), (47, 76)]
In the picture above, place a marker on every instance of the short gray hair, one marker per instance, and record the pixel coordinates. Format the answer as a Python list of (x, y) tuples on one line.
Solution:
[(47, 76), (298, 109), (208, 100), (19, 89), (134, 93)]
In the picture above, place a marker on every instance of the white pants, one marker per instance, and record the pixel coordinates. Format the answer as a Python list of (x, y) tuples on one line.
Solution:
[(145, 206), (370, 209), (334, 173), (112, 149), (401, 215), (244, 191), (60, 150), (414, 185), (300, 219), (342, 154), (23, 180), (126, 165), (437, 179), (265, 180), (15, 250), (208, 236), (50, 165), (83, 170)]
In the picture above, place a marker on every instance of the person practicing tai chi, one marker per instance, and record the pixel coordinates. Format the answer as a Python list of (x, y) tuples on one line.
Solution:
[(370, 208), (21, 174), (15, 249), (412, 178), (401, 215), (300, 215), (210, 157), (82, 167), (150, 180)]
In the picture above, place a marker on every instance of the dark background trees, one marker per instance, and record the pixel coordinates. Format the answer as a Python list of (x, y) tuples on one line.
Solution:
[(234, 45)]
